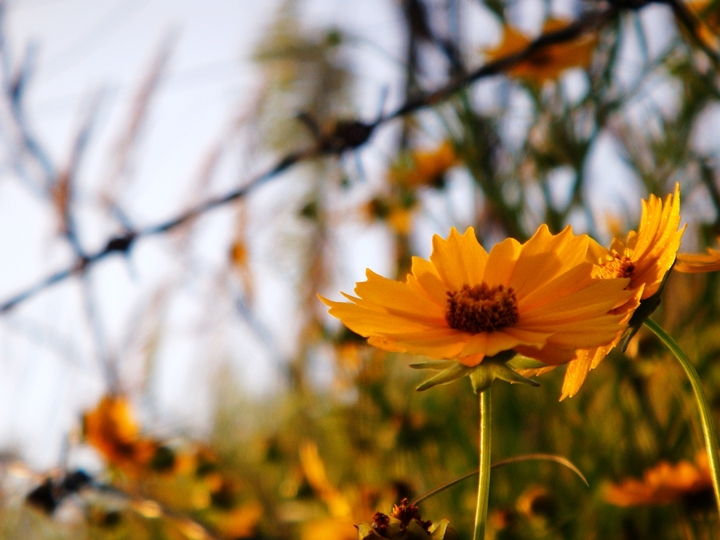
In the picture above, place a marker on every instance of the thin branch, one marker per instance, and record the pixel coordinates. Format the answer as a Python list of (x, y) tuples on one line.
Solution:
[(347, 136), (585, 24), (14, 90), (62, 190), (94, 321)]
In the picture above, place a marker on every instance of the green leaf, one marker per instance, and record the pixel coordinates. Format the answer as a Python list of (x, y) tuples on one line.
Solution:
[(451, 374), (487, 372), (366, 532), (704, 410), (414, 532), (482, 379), (504, 373), (438, 365), (523, 362), (565, 462)]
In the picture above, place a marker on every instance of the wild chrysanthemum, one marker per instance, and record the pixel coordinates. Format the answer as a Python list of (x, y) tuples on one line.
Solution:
[(112, 430), (538, 298), (644, 257), (424, 167), (707, 17), (664, 484), (548, 62)]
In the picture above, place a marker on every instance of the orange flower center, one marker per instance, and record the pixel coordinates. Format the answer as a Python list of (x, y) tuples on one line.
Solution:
[(481, 308), (615, 265)]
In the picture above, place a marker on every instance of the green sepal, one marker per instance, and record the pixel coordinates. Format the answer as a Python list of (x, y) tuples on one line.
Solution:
[(643, 311), (451, 374), (443, 531), (485, 374), (436, 365), (524, 362), (366, 532), (414, 531)]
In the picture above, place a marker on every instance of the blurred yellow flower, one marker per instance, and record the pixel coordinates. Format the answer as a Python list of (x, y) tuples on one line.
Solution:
[(314, 470), (645, 257), (707, 16), (331, 528), (546, 63), (697, 263), (396, 211), (424, 167), (112, 430), (240, 522), (536, 502), (538, 298), (663, 484), (400, 220)]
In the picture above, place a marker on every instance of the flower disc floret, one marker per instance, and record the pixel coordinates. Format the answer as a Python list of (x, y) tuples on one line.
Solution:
[(616, 264), (481, 308)]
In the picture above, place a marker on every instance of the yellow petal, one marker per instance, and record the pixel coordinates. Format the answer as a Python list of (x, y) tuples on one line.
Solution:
[(501, 262), (695, 263), (578, 369), (500, 341), (398, 298), (436, 343), (459, 260), (563, 289), (477, 344), (544, 257), (549, 354), (366, 322), (656, 243), (427, 278)]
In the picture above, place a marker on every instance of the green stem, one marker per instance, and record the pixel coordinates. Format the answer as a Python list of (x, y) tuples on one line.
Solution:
[(481, 510), (709, 433)]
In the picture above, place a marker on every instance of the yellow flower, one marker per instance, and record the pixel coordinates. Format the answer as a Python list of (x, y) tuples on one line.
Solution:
[(696, 263), (314, 470), (538, 298), (536, 502), (335, 528), (396, 211), (645, 257), (112, 430), (663, 484), (424, 167), (707, 17), (546, 63), (239, 522)]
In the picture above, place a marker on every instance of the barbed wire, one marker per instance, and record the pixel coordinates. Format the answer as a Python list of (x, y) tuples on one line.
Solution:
[(353, 134)]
